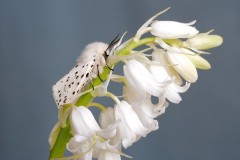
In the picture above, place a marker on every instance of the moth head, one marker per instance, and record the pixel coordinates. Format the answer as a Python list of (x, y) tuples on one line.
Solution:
[(111, 45)]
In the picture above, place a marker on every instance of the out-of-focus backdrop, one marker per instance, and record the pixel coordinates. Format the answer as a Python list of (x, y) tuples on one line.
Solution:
[(40, 41)]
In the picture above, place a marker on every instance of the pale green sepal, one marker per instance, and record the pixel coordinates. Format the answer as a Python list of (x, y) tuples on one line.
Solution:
[(54, 134), (63, 114)]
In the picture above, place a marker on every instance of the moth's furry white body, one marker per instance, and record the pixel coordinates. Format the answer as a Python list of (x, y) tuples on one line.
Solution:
[(89, 64)]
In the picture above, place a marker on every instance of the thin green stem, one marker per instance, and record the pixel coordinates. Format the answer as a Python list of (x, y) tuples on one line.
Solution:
[(60, 145), (64, 134), (98, 105)]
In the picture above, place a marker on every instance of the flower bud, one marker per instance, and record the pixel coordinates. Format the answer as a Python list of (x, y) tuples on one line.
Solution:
[(172, 29), (199, 62), (183, 65), (205, 41)]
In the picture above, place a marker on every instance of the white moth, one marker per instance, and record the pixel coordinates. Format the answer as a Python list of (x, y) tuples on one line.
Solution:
[(89, 65)]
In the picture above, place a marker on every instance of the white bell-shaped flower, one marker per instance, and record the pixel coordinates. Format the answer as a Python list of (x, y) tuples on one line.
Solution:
[(183, 60), (173, 30), (83, 123), (106, 120), (141, 80), (87, 133), (130, 127), (171, 90), (81, 147), (105, 151), (109, 156), (147, 111)]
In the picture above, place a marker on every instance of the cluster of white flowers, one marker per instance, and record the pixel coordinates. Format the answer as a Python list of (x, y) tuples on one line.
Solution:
[(164, 69)]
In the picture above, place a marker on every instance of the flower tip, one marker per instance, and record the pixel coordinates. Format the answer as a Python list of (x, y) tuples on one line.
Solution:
[(199, 62), (219, 39), (205, 41), (192, 23)]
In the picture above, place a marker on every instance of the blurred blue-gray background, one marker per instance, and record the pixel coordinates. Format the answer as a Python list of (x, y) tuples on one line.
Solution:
[(41, 39)]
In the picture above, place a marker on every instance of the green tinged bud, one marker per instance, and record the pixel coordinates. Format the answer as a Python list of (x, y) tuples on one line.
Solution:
[(205, 41)]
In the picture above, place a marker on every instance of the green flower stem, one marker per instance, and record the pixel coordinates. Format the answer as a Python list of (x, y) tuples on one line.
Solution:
[(64, 134), (60, 145)]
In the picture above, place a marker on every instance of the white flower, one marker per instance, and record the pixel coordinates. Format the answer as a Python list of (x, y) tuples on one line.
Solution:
[(87, 135), (144, 28), (107, 152), (141, 80), (152, 79), (81, 147), (204, 41), (183, 65), (172, 29), (160, 56), (94, 147), (133, 96), (147, 111), (109, 156), (172, 90), (130, 127), (184, 61), (106, 119)]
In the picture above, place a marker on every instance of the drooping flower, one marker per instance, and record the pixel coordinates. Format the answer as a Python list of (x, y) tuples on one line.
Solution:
[(106, 119), (173, 30), (183, 60), (87, 134), (130, 127), (141, 80), (150, 79), (171, 90), (147, 112)]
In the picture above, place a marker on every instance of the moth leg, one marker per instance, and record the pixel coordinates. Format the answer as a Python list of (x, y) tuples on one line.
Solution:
[(109, 67), (92, 83), (99, 74)]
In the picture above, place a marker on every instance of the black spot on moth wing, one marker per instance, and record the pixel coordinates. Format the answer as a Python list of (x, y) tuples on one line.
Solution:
[(64, 84)]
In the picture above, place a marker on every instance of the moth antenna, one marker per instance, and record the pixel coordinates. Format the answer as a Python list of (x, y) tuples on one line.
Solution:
[(113, 42)]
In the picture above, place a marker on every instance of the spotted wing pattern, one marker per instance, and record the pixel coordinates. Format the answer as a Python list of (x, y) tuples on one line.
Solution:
[(73, 83), (89, 65)]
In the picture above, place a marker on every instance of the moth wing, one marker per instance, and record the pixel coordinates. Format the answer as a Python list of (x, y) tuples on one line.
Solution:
[(68, 87), (82, 83)]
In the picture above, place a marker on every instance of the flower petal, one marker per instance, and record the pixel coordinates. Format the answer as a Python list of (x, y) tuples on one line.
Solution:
[(183, 66), (141, 79), (172, 29), (83, 122), (129, 94), (130, 127), (205, 41), (108, 155), (160, 56), (199, 62)]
